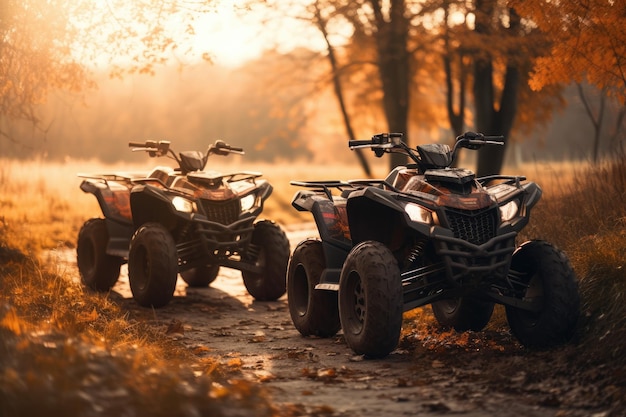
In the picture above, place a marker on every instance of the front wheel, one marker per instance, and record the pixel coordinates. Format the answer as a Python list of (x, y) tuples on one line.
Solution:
[(271, 252), (201, 276), (549, 282), (98, 270), (463, 313), (370, 300), (152, 265), (313, 312)]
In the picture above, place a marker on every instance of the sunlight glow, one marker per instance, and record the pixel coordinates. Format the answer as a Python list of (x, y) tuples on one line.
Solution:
[(222, 31)]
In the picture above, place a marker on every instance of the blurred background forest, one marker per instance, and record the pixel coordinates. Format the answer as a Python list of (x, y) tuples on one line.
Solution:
[(294, 80)]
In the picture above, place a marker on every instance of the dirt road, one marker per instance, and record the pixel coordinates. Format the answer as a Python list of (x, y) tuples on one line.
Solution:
[(475, 375)]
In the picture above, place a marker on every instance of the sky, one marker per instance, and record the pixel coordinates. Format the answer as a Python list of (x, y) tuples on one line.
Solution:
[(231, 39), (229, 33), (233, 35)]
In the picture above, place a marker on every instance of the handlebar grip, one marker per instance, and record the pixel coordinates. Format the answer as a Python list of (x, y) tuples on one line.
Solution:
[(232, 148), (136, 145), (358, 142)]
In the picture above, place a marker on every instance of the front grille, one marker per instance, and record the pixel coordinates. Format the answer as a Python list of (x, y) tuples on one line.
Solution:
[(221, 212), (476, 227)]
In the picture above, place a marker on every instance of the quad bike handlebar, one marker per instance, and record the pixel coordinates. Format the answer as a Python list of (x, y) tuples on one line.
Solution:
[(392, 143), (473, 140), (222, 148), (153, 147), (189, 160)]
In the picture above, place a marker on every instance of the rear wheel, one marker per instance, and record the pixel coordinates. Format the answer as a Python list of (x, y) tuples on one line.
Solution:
[(152, 265), (271, 253), (200, 276), (463, 313), (370, 300), (313, 312), (551, 284), (98, 270)]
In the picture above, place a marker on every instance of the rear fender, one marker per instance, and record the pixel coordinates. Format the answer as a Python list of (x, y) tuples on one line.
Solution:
[(304, 200), (113, 199), (330, 216)]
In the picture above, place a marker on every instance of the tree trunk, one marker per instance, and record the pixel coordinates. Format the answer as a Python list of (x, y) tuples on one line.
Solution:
[(595, 121), (455, 117), (337, 86), (394, 68), (495, 122), (489, 119)]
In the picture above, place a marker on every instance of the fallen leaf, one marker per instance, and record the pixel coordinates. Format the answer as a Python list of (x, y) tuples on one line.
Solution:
[(328, 373), (266, 377), (175, 326)]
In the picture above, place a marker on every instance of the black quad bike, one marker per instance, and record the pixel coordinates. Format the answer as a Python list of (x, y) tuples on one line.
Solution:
[(426, 234), (183, 220)]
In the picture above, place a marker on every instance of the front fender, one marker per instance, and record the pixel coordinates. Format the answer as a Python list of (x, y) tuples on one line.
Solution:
[(533, 194), (375, 214), (151, 204), (265, 190)]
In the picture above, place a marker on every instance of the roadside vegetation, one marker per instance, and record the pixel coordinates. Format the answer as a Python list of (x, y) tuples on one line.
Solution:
[(67, 351), (588, 221)]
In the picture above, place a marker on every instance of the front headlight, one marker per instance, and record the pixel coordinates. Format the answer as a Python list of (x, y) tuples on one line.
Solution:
[(247, 202), (509, 210), (182, 204), (418, 213)]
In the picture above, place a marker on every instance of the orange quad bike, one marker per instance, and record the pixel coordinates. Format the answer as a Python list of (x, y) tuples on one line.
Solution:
[(182, 220), (428, 233)]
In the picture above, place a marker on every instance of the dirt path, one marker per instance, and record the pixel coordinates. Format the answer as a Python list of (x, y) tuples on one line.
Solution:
[(309, 376)]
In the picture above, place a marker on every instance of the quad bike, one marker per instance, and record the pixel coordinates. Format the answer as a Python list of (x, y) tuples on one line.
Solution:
[(183, 220), (426, 234)]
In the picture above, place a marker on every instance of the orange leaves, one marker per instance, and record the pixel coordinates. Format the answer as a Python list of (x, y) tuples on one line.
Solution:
[(175, 328), (588, 42), (235, 363)]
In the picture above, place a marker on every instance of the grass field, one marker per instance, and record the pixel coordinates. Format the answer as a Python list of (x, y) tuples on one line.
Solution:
[(583, 211)]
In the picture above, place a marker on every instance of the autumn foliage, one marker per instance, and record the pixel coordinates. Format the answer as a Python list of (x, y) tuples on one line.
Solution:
[(588, 42)]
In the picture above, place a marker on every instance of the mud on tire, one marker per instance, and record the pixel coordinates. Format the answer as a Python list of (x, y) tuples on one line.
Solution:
[(152, 265), (370, 300), (313, 312), (549, 278), (98, 270), (272, 254)]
